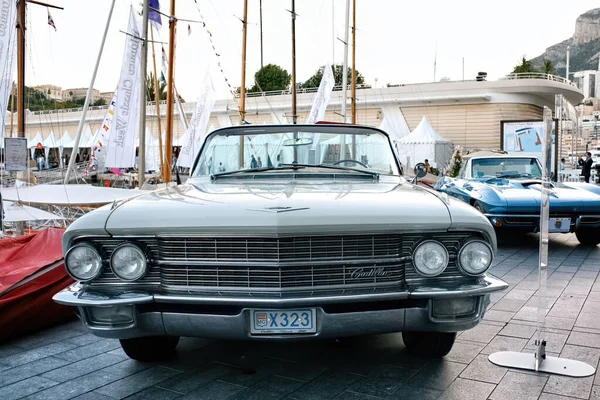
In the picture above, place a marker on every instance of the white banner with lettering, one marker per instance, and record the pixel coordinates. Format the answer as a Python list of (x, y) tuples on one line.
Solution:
[(8, 43), (317, 113), (195, 134), (125, 126)]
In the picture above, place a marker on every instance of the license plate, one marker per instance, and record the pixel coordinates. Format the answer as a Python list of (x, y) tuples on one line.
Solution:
[(288, 321), (559, 225)]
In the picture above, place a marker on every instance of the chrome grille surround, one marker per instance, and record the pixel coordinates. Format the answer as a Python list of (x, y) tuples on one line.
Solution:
[(269, 266)]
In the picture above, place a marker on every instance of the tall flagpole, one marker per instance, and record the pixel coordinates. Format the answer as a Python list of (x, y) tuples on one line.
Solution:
[(294, 116), (21, 69), (88, 97), (144, 63), (170, 92), (345, 66), (353, 62), (157, 101), (243, 88)]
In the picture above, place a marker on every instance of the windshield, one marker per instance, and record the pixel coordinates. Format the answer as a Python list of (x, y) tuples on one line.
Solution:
[(273, 147), (500, 167)]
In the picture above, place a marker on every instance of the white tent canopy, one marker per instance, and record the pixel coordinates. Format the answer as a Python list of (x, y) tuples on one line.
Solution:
[(51, 141), (66, 141), (36, 139), (16, 212), (66, 195), (393, 122), (425, 143)]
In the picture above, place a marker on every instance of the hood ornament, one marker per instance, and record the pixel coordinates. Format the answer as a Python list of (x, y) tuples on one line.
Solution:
[(278, 209)]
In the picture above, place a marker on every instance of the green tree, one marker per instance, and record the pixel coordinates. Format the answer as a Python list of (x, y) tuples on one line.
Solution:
[(99, 102), (525, 66), (548, 67), (315, 80), (150, 93), (271, 77)]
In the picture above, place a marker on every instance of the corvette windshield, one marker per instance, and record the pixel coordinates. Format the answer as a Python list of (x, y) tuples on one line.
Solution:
[(515, 168), (283, 147)]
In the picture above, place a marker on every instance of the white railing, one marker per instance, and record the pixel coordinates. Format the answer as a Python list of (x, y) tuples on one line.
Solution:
[(539, 75)]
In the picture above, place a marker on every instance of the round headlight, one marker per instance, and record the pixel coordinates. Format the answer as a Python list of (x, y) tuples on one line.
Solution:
[(128, 262), (83, 262), (475, 257), (430, 258)]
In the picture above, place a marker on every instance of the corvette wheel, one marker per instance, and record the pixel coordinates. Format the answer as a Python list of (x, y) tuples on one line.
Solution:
[(478, 207), (588, 237), (429, 344), (150, 348)]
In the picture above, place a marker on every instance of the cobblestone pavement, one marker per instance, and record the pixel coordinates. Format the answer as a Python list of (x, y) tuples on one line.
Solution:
[(66, 362)]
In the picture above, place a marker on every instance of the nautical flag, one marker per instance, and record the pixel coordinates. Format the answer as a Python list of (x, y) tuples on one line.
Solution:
[(51, 21), (162, 78), (153, 14), (189, 30), (164, 60)]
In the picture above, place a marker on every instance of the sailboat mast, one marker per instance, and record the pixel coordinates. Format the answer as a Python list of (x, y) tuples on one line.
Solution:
[(354, 62), (170, 100), (143, 67), (345, 66), (157, 101), (243, 88), (21, 69), (294, 115)]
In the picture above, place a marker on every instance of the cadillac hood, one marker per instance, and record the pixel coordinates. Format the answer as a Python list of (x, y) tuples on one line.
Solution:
[(284, 207)]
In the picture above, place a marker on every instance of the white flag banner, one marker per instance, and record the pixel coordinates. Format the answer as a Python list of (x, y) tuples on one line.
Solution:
[(100, 144), (317, 112), (8, 44), (195, 134), (125, 126)]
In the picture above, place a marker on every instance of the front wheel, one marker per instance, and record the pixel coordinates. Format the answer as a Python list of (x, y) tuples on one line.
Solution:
[(150, 348), (429, 344), (588, 237)]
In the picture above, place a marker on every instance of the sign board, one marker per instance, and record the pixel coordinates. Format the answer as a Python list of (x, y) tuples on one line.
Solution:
[(526, 138), (15, 154)]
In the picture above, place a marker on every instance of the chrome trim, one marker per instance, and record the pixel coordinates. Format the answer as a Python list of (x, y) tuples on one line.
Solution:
[(423, 242), (98, 253), (398, 260), (465, 244)]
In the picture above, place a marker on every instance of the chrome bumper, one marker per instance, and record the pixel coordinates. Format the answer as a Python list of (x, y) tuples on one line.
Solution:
[(150, 319)]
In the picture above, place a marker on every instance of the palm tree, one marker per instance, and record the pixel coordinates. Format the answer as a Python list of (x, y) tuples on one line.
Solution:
[(525, 66), (548, 67), (150, 94)]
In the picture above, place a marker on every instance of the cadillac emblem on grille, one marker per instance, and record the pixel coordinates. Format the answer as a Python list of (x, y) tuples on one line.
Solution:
[(369, 273)]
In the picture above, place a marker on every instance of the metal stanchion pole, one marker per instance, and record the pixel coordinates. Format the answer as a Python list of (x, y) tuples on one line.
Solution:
[(539, 361)]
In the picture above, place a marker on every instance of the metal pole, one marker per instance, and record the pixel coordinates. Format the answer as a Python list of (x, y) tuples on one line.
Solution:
[(294, 116), (170, 73), (243, 88), (333, 33), (12, 109), (144, 63), (353, 68), (21, 70), (568, 57), (88, 97), (261, 35), (157, 101), (345, 66)]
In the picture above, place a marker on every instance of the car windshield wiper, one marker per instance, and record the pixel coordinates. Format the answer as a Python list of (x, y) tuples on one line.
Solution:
[(329, 166), (263, 169), (522, 175)]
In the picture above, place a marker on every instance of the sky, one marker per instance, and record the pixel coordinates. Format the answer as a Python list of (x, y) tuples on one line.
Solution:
[(396, 41)]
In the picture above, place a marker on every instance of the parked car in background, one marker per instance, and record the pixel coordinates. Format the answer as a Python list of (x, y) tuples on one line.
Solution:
[(507, 190), (326, 240)]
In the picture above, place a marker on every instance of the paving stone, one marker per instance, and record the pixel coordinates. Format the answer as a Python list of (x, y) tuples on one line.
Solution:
[(326, 386), (437, 374), (555, 341), (75, 387), (595, 395), (590, 306), (571, 300), (465, 389), (481, 369), (82, 367), (89, 350), (584, 339), (126, 368), (383, 381), (482, 333), (9, 350), (30, 369), (135, 383), (527, 313), (38, 353), (415, 392), (25, 387), (568, 386), (92, 396), (549, 396), (508, 304), (274, 387), (84, 339), (155, 393), (45, 337), (215, 390), (504, 343), (559, 323), (498, 316), (464, 352), (520, 386), (594, 296), (518, 330), (519, 294), (560, 311), (191, 380)]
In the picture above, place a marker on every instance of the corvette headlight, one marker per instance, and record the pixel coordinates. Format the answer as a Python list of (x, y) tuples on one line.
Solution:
[(128, 262), (475, 257), (430, 258), (83, 262)]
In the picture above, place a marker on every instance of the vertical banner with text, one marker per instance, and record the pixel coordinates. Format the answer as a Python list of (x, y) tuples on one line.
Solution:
[(8, 43)]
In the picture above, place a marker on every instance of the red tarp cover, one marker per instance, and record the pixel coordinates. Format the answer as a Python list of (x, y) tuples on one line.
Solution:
[(26, 299)]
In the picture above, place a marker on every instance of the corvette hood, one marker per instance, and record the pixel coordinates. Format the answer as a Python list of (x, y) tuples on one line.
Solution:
[(274, 207)]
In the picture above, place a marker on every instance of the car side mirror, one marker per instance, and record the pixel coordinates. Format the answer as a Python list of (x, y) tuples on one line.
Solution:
[(420, 170)]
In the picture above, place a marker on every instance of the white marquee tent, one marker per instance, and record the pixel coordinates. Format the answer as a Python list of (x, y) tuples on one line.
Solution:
[(393, 122), (425, 143)]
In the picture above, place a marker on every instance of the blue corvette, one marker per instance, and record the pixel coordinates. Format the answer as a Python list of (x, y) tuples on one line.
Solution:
[(506, 189)]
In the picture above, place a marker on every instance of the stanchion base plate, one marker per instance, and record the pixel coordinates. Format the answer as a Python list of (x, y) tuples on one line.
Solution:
[(551, 365)]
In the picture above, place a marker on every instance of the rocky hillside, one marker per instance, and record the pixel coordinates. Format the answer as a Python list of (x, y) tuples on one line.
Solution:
[(585, 46)]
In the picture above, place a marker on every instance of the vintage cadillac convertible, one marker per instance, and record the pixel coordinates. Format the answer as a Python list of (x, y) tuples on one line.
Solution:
[(506, 189), (283, 233)]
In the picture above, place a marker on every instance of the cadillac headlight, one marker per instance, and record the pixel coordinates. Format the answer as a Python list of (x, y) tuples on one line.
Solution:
[(83, 262), (128, 262), (475, 257), (430, 258)]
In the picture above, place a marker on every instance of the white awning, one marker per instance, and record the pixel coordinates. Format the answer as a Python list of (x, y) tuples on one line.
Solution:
[(17, 212), (67, 195)]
